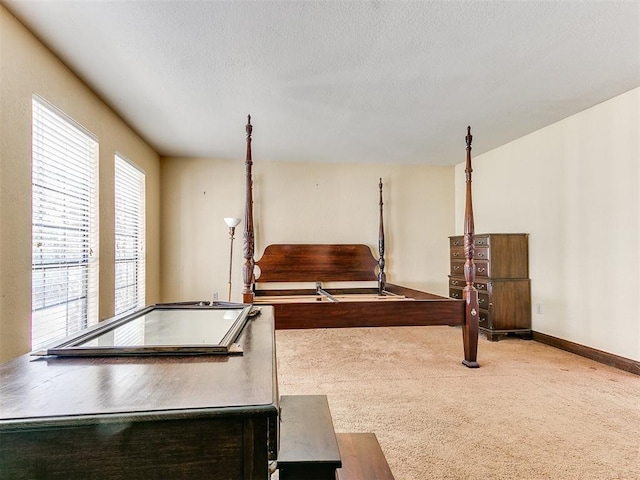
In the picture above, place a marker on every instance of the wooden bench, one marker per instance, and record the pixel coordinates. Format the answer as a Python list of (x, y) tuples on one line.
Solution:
[(308, 446), (362, 458)]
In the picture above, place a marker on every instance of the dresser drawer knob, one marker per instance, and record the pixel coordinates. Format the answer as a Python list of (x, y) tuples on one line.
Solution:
[(456, 254), (482, 269), (454, 282)]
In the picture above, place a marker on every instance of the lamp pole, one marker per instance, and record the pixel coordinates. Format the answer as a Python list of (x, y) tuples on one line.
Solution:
[(232, 223)]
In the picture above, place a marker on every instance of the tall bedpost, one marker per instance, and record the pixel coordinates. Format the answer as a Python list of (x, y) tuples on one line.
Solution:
[(248, 237), (382, 277), (470, 294)]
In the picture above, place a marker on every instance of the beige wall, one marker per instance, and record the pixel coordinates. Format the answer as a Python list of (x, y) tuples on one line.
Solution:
[(300, 203), (573, 186), (27, 67)]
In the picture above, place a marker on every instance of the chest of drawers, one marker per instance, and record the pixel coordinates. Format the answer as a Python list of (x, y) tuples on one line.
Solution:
[(502, 281)]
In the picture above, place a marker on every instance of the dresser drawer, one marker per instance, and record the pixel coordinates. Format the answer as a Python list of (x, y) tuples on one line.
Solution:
[(484, 320), (460, 282), (482, 240), (482, 268), (479, 253), (457, 267), (484, 300), (455, 293), (457, 253), (478, 241), (456, 242)]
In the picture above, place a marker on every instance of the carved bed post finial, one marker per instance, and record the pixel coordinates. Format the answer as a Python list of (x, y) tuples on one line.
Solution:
[(248, 236), (469, 228), (382, 277), (472, 312)]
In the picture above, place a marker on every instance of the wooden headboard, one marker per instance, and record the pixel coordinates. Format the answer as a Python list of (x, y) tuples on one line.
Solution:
[(317, 263)]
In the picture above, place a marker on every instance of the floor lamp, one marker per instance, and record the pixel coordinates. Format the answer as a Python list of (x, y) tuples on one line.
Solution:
[(232, 223)]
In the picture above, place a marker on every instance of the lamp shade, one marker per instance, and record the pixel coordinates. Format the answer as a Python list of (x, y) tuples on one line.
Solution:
[(231, 221)]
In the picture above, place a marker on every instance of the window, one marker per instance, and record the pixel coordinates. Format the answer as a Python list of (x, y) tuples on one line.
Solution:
[(130, 238), (64, 279)]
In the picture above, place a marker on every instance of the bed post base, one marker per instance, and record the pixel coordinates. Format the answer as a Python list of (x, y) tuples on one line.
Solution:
[(248, 297), (470, 329)]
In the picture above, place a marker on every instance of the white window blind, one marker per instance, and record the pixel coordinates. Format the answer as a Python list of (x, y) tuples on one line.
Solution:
[(130, 236), (64, 226)]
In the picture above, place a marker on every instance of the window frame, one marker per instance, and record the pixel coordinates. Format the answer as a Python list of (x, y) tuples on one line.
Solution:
[(65, 228), (129, 235)]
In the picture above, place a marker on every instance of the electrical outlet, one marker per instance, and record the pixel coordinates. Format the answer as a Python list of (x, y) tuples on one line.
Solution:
[(215, 296), (539, 308)]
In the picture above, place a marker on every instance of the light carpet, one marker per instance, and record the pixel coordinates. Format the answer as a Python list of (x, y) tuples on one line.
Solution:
[(530, 411)]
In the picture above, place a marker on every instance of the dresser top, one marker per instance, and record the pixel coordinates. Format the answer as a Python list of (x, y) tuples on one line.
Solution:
[(492, 235), (57, 389)]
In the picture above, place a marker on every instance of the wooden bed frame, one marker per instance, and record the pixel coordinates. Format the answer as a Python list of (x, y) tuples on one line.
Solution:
[(379, 304)]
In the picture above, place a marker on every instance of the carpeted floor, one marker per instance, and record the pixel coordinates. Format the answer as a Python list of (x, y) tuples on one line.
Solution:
[(529, 412)]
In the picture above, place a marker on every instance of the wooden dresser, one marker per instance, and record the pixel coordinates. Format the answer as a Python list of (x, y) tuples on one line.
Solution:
[(179, 417), (502, 280)]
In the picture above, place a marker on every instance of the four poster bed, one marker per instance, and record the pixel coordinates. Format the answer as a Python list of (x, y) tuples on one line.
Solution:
[(377, 304)]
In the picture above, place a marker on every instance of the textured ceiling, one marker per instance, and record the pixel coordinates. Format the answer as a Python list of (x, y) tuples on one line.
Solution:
[(342, 81)]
